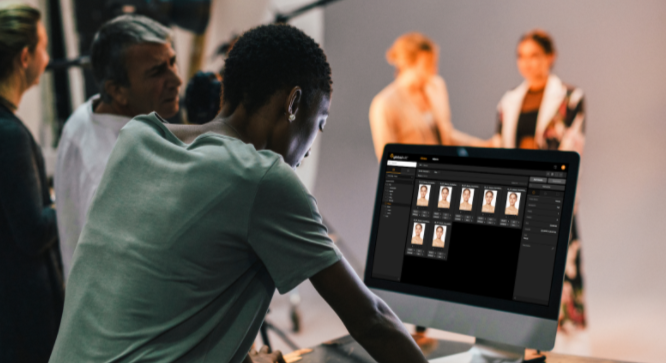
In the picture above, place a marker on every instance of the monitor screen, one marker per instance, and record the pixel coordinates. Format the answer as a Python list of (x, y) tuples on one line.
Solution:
[(482, 229)]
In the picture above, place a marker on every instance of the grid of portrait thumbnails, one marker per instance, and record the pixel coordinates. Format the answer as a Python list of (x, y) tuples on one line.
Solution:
[(436, 204)]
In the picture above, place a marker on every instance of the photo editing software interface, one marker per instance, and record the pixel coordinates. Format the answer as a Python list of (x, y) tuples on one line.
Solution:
[(477, 226)]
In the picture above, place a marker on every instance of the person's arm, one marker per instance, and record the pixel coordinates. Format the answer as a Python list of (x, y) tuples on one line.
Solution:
[(460, 138), (438, 97), (32, 221), (380, 126), (367, 318)]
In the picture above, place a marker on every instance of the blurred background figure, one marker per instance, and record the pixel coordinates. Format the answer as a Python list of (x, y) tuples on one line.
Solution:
[(31, 284), (134, 65), (203, 97), (544, 113), (414, 109)]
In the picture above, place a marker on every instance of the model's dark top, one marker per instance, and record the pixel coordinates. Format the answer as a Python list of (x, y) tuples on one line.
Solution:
[(31, 286), (527, 121)]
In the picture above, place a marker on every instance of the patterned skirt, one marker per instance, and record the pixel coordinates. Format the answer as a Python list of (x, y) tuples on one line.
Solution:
[(572, 309)]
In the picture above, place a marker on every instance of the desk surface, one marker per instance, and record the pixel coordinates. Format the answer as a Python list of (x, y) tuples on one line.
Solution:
[(347, 350)]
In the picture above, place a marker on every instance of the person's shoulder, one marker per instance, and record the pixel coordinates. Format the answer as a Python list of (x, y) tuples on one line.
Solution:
[(8, 123), (144, 124), (11, 129), (77, 123), (143, 129), (438, 81), (514, 93), (575, 95), (386, 96), (279, 175)]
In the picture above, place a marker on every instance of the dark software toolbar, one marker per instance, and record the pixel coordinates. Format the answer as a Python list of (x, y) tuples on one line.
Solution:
[(475, 227)]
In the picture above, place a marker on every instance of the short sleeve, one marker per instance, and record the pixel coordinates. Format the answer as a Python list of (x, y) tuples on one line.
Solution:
[(286, 229)]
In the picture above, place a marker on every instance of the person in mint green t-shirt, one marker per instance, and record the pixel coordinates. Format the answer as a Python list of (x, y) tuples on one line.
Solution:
[(193, 227)]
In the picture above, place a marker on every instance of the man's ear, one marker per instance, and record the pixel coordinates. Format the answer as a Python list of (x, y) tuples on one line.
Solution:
[(294, 100), (117, 92), (23, 58)]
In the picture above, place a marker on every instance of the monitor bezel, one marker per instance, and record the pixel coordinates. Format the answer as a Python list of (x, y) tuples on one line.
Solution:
[(550, 311)]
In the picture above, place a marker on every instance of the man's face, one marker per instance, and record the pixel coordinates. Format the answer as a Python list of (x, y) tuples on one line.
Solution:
[(440, 231), (153, 78), (466, 196), (489, 198)]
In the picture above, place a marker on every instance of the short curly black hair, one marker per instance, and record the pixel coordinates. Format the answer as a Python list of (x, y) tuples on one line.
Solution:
[(272, 57)]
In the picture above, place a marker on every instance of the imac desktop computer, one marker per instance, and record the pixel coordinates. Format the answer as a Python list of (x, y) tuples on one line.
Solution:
[(474, 241)]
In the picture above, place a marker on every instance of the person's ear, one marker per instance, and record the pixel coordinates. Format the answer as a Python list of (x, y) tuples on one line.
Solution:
[(294, 102), (23, 58), (117, 92)]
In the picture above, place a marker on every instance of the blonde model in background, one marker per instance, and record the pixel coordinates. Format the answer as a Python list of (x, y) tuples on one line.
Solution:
[(414, 109), (444, 203), (418, 230)]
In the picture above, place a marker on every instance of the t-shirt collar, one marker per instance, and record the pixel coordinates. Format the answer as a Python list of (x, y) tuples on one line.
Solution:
[(106, 120)]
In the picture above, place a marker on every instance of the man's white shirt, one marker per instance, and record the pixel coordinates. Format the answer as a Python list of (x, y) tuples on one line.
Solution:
[(84, 149)]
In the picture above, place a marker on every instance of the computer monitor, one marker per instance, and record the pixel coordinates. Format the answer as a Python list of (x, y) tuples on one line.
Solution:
[(474, 241)]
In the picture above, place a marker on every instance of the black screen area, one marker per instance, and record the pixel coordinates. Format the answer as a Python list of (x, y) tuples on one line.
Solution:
[(482, 261)]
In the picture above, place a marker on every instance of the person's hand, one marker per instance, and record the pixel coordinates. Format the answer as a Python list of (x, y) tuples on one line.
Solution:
[(263, 356)]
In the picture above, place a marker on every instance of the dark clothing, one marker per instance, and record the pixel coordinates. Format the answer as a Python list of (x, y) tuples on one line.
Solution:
[(526, 129), (31, 285)]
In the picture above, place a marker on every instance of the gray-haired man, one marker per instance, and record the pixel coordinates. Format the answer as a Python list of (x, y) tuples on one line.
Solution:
[(135, 68)]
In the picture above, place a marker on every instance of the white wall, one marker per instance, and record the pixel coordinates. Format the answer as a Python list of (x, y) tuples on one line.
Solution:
[(614, 50)]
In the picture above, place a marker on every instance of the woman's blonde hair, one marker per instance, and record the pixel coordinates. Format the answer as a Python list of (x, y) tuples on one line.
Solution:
[(408, 48), (18, 29)]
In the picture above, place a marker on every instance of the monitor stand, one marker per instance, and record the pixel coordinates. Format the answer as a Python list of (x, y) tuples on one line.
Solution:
[(486, 351)]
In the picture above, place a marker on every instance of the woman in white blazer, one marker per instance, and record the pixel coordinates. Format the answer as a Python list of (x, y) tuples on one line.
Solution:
[(545, 113)]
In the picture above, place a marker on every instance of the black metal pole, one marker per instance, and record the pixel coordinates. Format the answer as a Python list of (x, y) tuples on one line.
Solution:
[(283, 18), (62, 96)]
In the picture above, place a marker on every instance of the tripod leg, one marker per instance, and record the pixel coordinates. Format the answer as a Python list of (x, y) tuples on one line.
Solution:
[(282, 335), (295, 315), (264, 335)]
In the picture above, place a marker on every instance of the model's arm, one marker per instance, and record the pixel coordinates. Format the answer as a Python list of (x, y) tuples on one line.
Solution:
[(460, 138), (438, 97), (380, 126), (32, 222), (367, 318)]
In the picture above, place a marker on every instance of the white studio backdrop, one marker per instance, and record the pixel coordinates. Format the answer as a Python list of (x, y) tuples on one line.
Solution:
[(613, 50)]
